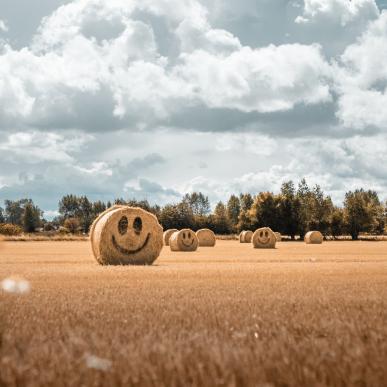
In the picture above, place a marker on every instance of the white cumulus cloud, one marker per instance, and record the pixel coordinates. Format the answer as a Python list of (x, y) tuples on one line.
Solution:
[(361, 79), (342, 11), (66, 68)]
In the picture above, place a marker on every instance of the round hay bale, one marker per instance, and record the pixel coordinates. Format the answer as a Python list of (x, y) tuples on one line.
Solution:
[(206, 237), (278, 236), (183, 240), (264, 238), (245, 236), (167, 234), (313, 238), (124, 235)]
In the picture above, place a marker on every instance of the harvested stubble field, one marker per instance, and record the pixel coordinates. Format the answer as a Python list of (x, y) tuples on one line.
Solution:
[(230, 315)]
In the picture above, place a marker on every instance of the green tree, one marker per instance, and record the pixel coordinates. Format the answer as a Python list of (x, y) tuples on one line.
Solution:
[(14, 210), (233, 211), (304, 196), (85, 213), (31, 217), (2, 217), (337, 223), (69, 206), (322, 208), (177, 216), (221, 221), (290, 210), (265, 211), (362, 210), (98, 208), (244, 222), (144, 204), (119, 201), (199, 204), (246, 201)]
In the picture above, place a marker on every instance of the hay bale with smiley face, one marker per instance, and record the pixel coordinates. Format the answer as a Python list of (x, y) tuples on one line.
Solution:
[(313, 238), (167, 235), (206, 237), (264, 238), (124, 235), (183, 240), (245, 237)]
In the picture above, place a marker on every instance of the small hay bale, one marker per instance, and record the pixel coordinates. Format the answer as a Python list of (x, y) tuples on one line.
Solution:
[(264, 238), (124, 235), (206, 237), (313, 238), (183, 240), (278, 236), (167, 234), (245, 237)]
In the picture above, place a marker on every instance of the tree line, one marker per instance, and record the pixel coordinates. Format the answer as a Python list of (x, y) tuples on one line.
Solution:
[(292, 211)]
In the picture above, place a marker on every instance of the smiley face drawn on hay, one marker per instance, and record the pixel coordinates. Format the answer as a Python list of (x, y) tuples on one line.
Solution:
[(125, 235), (264, 238), (183, 240)]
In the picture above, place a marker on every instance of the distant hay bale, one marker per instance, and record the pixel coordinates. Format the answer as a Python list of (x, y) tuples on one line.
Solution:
[(206, 237), (278, 236), (183, 240), (245, 236), (313, 238), (167, 234), (264, 238), (124, 235)]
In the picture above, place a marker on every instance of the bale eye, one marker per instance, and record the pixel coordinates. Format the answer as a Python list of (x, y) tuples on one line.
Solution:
[(123, 225), (266, 234), (137, 225), (189, 235), (261, 234), (183, 235)]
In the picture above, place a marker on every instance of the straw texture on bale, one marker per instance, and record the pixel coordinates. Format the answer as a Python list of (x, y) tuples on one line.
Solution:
[(313, 238), (278, 236), (264, 238), (245, 236), (167, 234), (206, 237), (183, 240), (124, 235)]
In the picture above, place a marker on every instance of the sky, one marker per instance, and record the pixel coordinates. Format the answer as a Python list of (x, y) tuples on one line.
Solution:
[(150, 99)]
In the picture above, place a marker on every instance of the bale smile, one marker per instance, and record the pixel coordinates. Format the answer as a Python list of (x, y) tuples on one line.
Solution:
[(125, 251), (189, 245)]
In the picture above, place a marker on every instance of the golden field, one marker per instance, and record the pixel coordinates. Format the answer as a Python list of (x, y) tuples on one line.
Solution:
[(299, 315)]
